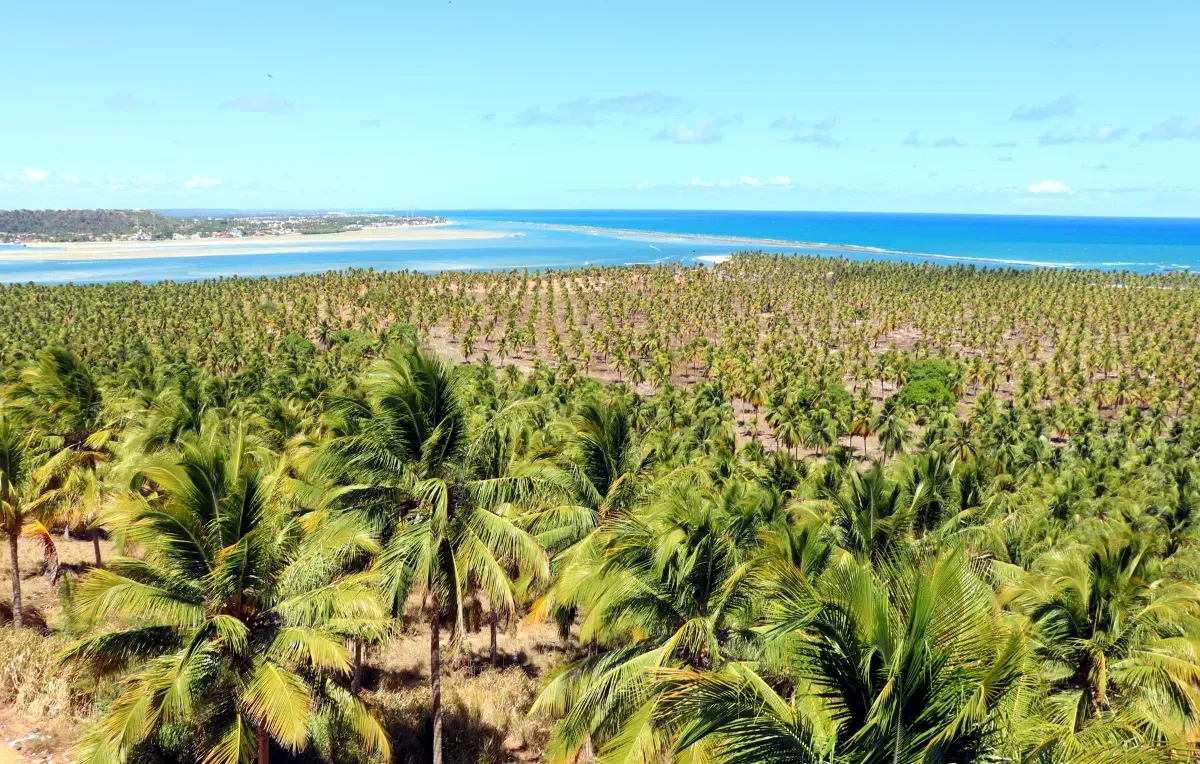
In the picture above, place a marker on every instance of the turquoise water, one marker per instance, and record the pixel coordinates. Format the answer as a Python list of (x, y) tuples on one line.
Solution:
[(607, 237)]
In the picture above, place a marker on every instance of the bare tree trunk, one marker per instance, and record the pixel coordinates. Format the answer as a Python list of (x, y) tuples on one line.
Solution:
[(492, 625), (435, 677), (264, 745), (96, 547), (18, 618), (356, 681)]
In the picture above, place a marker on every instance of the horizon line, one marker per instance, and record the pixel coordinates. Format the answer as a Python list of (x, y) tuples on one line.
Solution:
[(396, 209)]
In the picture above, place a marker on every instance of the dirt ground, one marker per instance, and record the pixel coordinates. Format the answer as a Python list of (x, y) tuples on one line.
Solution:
[(39, 591)]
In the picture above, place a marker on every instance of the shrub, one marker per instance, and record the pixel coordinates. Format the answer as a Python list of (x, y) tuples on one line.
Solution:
[(928, 386)]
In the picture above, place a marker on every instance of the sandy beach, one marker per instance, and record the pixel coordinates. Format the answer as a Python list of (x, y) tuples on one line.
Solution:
[(249, 245)]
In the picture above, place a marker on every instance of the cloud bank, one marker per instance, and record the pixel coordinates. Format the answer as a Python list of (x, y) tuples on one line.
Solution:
[(588, 112), (263, 104), (1063, 106)]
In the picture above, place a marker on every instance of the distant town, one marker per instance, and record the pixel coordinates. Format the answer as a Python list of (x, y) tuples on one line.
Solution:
[(26, 226)]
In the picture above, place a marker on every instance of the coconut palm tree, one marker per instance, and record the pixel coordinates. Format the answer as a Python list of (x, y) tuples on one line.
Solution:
[(904, 662), (1115, 640), (232, 629), (868, 516), (892, 428), (403, 459), (60, 394), (673, 589), (25, 498)]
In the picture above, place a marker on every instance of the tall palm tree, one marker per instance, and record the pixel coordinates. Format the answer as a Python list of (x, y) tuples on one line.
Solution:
[(403, 459), (24, 499), (606, 469), (673, 589), (891, 427), (61, 396), (231, 630)]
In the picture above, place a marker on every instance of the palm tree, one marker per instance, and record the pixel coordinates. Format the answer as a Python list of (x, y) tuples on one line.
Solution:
[(404, 459), (871, 517), (892, 428), (907, 662), (672, 590), (24, 497), (497, 454), (231, 630), (1115, 640), (861, 425), (60, 395), (605, 469)]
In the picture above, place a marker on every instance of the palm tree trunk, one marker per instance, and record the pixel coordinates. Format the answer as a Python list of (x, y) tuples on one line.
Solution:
[(96, 547), (18, 619), (492, 625), (435, 678), (356, 681), (264, 745)]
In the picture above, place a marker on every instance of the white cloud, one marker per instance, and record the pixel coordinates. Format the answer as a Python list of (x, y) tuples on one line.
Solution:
[(1063, 106), (707, 131), (745, 181), (30, 175), (914, 140), (202, 181), (1102, 134), (824, 140), (588, 112), (260, 103), (1174, 129), (68, 177), (792, 122), (1049, 187)]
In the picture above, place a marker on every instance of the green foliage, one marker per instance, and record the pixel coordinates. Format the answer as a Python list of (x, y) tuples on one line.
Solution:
[(928, 386), (70, 225), (297, 346), (295, 471)]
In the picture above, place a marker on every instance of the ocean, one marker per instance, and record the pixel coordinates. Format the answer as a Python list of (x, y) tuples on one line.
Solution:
[(573, 238)]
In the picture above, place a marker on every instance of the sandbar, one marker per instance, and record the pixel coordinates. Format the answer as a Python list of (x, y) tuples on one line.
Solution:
[(246, 245)]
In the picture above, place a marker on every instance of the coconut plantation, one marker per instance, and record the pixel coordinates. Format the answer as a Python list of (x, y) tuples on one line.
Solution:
[(780, 509)]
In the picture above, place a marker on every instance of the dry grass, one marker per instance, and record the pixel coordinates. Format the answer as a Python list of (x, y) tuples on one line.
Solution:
[(31, 681), (41, 704), (486, 718), (486, 710)]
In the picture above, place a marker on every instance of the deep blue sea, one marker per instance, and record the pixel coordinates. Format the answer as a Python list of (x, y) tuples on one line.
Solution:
[(565, 239)]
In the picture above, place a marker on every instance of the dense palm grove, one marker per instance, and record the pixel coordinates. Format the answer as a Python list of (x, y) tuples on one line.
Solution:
[(783, 509)]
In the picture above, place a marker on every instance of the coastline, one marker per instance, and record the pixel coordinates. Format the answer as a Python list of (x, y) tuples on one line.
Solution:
[(248, 245), (818, 246), (719, 239)]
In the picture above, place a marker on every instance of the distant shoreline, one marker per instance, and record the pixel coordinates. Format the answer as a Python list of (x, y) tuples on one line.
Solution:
[(823, 247), (720, 239), (247, 245)]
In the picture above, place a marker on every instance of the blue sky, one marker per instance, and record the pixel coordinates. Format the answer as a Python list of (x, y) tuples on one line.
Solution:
[(1021, 107)]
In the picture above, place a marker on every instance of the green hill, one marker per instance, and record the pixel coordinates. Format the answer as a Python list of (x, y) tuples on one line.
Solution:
[(68, 225)]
